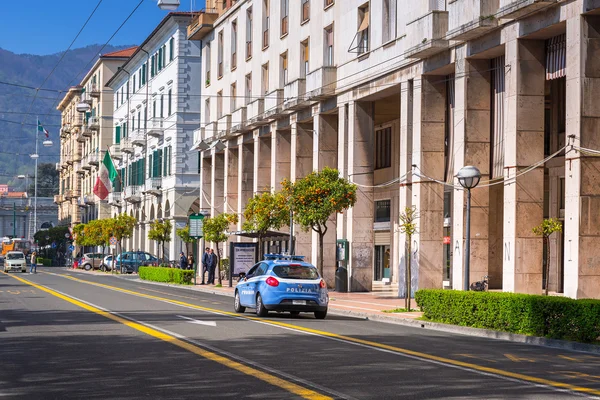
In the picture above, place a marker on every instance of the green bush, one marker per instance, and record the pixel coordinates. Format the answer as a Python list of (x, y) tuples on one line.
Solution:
[(46, 262), (169, 275), (552, 317)]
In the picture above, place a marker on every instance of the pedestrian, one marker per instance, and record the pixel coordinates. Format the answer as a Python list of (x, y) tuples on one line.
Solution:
[(182, 261), (190, 262), (212, 265), (205, 263), (33, 267)]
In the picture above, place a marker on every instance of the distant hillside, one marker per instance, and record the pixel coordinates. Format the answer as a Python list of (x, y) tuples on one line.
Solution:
[(31, 70)]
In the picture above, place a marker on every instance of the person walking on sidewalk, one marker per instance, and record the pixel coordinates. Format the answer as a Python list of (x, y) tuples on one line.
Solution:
[(182, 261), (205, 263), (33, 267), (212, 265), (190, 262)]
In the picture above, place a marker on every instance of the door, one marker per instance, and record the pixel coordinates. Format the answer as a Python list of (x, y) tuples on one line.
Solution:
[(247, 286)]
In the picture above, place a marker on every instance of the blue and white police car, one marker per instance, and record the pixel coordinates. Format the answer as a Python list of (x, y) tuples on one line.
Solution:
[(282, 283)]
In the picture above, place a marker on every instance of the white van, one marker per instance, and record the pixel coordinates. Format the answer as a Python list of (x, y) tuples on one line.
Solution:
[(15, 261)]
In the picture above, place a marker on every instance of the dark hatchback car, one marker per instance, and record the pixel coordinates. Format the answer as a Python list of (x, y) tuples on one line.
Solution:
[(131, 261)]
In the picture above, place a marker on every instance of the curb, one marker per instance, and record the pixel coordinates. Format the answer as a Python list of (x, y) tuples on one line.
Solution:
[(414, 323)]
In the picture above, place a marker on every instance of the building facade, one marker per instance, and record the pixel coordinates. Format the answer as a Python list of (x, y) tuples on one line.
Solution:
[(156, 108), (399, 95)]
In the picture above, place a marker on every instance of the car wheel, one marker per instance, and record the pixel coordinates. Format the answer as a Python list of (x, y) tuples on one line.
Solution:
[(237, 304), (87, 267), (294, 313), (261, 311), (320, 314)]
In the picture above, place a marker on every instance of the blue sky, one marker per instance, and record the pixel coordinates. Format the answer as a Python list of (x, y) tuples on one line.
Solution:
[(48, 26)]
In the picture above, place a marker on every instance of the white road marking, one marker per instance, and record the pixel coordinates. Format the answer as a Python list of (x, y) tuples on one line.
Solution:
[(198, 322)]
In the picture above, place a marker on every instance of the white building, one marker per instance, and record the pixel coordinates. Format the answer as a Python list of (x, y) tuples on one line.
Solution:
[(157, 107)]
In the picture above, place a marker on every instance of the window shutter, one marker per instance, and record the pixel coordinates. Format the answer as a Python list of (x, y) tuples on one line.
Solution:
[(152, 67), (171, 49), (150, 165), (169, 102), (117, 134), (160, 161)]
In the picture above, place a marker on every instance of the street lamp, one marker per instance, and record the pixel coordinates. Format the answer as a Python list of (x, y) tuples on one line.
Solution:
[(168, 5), (468, 177)]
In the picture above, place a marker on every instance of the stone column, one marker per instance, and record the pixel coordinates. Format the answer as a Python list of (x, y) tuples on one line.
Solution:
[(205, 179), (342, 162), (231, 179), (301, 164), (262, 163), (217, 178), (280, 156), (246, 172), (582, 220), (428, 155), (471, 147), (523, 146), (405, 195), (359, 223), (325, 155)]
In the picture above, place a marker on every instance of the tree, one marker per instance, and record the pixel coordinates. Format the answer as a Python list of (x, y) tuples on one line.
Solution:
[(266, 211), (214, 231), (316, 197), (122, 227), (184, 235), (79, 235), (160, 231), (545, 229), (408, 227), (47, 181), (93, 233)]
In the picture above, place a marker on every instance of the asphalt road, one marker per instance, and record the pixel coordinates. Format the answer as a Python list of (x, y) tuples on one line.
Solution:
[(67, 335)]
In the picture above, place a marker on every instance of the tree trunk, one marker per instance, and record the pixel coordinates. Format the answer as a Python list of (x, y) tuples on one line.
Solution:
[(321, 254), (408, 277), (219, 264), (547, 243)]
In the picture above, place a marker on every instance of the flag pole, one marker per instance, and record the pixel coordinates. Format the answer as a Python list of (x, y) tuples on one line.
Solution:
[(114, 166)]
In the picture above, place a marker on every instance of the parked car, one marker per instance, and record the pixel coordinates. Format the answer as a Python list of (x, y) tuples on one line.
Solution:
[(15, 261), (282, 283), (106, 264), (90, 261), (130, 262)]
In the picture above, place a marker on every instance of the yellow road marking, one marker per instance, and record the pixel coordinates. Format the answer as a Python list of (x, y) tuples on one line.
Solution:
[(443, 360), (568, 358), (514, 358), (263, 376), (475, 357)]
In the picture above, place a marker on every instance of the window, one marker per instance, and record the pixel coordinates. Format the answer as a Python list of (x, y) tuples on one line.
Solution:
[(207, 111), (328, 3), (219, 104), (265, 79), (233, 98), (248, 88), (117, 134), (266, 19), (285, 11), (139, 121), (363, 29), (220, 56), (152, 65), (169, 102), (383, 148), (171, 49), (162, 105), (389, 20), (305, 10), (283, 75), (382, 211), (145, 117), (234, 44), (160, 59), (166, 158), (127, 84), (153, 108), (117, 100), (305, 54), (134, 86), (143, 79), (207, 63), (328, 46), (249, 33)]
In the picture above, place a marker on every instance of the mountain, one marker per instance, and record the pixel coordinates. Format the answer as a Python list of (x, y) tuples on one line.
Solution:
[(16, 141)]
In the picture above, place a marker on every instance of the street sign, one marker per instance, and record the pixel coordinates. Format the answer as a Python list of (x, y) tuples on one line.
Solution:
[(113, 241), (67, 235), (71, 248), (53, 245), (196, 226)]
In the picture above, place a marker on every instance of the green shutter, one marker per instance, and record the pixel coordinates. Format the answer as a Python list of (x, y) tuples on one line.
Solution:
[(160, 161), (171, 49), (150, 166), (160, 59), (117, 134), (165, 160), (154, 163), (169, 102), (152, 67)]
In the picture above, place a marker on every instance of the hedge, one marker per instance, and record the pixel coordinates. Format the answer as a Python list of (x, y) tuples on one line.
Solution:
[(46, 262), (545, 316), (169, 275)]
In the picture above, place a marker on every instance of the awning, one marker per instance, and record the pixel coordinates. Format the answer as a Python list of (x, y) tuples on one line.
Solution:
[(556, 57), (365, 22)]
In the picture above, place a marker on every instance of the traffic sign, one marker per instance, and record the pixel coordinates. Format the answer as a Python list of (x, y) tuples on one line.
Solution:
[(53, 245), (113, 241), (197, 226), (71, 248)]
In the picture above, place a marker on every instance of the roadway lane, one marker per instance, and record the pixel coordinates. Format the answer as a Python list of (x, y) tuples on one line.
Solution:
[(340, 357)]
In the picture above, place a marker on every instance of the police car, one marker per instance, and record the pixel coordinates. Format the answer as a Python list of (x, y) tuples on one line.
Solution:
[(282, 283)]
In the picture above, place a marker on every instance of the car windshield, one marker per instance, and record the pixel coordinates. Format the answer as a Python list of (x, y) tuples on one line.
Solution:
[(15, 256), (296, 271)]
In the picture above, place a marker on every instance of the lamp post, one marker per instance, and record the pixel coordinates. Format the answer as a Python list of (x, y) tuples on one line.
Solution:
[(468, 177), (168, 5), (36, 156)]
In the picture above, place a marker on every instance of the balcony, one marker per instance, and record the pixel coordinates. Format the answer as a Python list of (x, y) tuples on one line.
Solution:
[(93, 159), (94, 123), (86, 131), (127, 146), (224, 127), (79, 136), (273, 105), (294, 95), (115, 151), (154, 186), (71, 194), (209, 130), (95, 91), (133, 194), (321, 83), (470, 19), (77, 121), (80, 171), (115, 198), (155, 128), (254, 113), (137, 138), (58, 198), (86, 98), (89, 199), (201, 24), (426, 35), (514, 9), (76, 156), (238, 120)]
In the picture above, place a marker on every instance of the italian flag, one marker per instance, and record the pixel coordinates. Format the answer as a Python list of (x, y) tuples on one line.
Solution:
[(106, 177), (41, 129)]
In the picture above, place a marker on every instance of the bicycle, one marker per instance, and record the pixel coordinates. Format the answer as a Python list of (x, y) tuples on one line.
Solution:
[(482, 285)]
